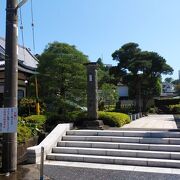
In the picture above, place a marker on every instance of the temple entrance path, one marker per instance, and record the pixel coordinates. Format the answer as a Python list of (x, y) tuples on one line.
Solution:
[(159, 122)]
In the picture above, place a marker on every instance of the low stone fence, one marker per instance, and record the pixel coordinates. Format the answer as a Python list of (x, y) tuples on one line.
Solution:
[(34, 153), (135, 116)]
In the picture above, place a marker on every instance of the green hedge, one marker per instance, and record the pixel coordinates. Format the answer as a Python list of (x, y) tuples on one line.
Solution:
[(166, 102), (168, 106), (114, 119)]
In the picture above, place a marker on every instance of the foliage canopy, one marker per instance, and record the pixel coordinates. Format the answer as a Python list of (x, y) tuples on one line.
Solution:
[(62, 73), (141, 70)]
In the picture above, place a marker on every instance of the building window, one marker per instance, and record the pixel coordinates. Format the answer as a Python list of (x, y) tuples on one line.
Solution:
[(20, 93)]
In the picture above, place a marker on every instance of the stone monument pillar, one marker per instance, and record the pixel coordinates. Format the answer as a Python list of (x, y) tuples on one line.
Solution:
[(92, 97)]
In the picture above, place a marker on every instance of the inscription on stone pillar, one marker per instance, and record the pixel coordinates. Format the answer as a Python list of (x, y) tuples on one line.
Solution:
[(92, 87)]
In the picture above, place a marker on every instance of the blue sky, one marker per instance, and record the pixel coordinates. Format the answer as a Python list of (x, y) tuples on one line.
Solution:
[(99, 27)]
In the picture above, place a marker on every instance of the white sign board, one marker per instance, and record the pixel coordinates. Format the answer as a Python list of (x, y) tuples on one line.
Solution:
[(90, 77), (8, 120)]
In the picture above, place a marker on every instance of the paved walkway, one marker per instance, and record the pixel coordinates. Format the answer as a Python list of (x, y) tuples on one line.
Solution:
[(164, 122), (24, 172)]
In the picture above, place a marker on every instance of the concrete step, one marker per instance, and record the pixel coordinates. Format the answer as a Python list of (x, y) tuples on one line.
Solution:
[(122, 133), (117, 152), (115, 160), (142, 140), (113, 145)]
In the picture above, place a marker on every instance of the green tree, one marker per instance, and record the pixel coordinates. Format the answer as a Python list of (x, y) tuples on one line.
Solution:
[(177, 86), (141, 70), (103, 74), (107, 95), (168, 79), (62, 74), (176, 82)]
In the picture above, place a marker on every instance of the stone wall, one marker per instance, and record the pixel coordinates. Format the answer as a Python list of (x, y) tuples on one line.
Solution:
[(22, 149)]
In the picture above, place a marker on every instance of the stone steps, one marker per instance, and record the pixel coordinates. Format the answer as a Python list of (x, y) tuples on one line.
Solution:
[(134, 148), (141, 140), (115, 160), (117, 152), (112, 145), (125, 133)]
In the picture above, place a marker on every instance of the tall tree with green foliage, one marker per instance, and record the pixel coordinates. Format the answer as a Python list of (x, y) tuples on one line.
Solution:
[(141, 70), (62, 74), (103, 74)]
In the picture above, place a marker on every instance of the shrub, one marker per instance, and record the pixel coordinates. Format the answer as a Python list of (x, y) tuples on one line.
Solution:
[(109, 118), (33, 122), (175, 109), (53, 120), (168, 105), (81, 117), (170, 109), (23, 133), (65, 106), (166, 102), (74, 115), (113, 118), (152, 110), (127, 109), (71, 117), (27, 106), (164, 109), (39, 119)]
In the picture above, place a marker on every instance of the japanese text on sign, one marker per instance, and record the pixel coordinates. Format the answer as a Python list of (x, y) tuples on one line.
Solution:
[(8, 120)]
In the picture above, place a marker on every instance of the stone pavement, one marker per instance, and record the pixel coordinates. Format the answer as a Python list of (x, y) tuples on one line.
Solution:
[(24, 172), (153, 122), (76, 171)]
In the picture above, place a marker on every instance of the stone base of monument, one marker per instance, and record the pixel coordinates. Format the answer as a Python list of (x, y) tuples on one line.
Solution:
[(93, 124)]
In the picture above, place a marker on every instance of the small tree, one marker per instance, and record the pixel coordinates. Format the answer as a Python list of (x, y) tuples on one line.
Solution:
[(108, 95), (103, 74)]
